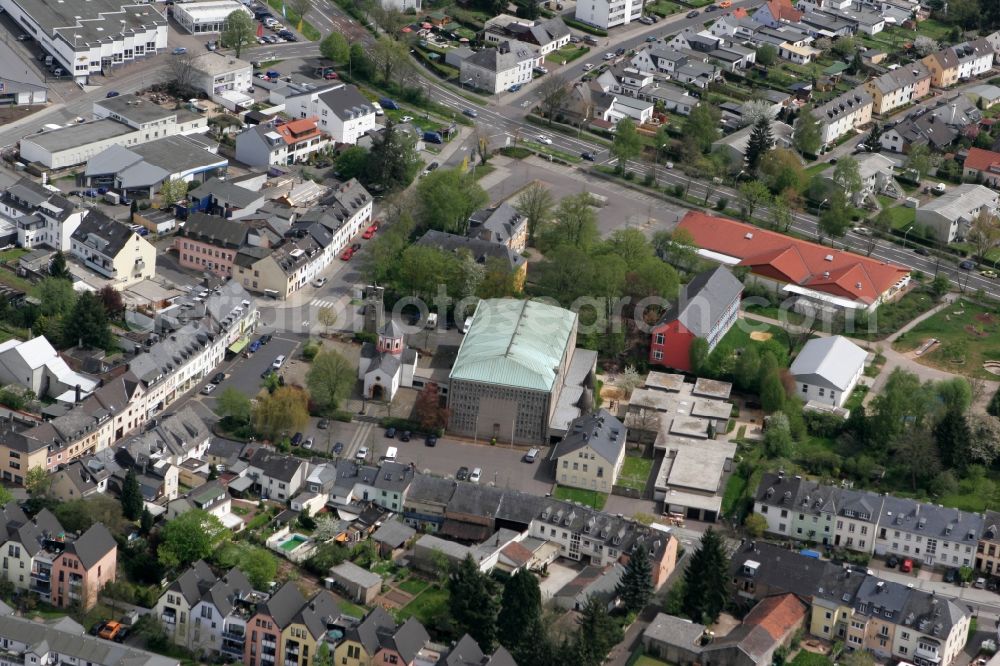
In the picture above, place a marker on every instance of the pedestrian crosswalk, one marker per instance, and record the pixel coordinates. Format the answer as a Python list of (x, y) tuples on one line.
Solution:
[(361, 438), (320, 303)]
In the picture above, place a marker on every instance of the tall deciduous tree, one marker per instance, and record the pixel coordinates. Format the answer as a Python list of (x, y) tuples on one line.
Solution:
[(847, 174), (239, 31), (576, 223), (335, 47), (753, 193), (536, 204), (636, 584), (233, 404), (835, 219), (431, 414), (919, 159), (284, 411), (760, 142), (37, 482), (189, 537), (806, 136), (131, 496), (706, 580), (983, 234), (781, 170), (330, 380), (627, 143), (702, 126), (112, 300), (446, 198), (473, 603), (553, 93)]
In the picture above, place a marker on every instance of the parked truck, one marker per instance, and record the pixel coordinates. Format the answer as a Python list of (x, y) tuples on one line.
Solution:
[(112, 198)]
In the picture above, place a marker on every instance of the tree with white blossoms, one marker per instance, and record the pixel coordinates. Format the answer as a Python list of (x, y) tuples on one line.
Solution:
[(326, 529), (924, 46), (630, 379), (984, 443), (753, 111)]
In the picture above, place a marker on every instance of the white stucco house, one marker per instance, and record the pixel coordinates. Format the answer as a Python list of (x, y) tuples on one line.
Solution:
[(343, 112), (827, 370)]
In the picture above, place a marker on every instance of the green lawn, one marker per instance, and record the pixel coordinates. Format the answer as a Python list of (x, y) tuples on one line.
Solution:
[(890, 317), (969, 336), (351, 609), (585, 497), (646, 660), (663, 8), (902, 216), (428, 607), (11, 255), (413, 586), (635, 472), (804, 658), (568, 53)]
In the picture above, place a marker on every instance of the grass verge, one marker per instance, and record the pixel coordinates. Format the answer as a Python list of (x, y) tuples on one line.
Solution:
[(590, 498)]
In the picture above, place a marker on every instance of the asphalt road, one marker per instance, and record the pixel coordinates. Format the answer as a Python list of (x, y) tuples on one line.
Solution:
[(244, 374)]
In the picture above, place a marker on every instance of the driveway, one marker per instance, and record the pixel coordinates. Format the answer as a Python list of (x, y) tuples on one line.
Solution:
[(561, 572)]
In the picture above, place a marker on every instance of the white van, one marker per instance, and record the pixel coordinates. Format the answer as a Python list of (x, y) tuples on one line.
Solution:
[(278, 362), (390, 455), (432, 320), (467, 325)]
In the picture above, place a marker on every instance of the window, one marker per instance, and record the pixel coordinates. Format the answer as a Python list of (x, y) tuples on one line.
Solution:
[(657, 356), (659, 338)]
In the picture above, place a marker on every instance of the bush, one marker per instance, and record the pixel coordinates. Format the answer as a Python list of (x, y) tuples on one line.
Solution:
[(310, 349), (823, 425), (721, 203), (579, 25), (648, 180), (629, 175), (364, 336), (994, 407), (678, 190), (400, 424), (343, 416)]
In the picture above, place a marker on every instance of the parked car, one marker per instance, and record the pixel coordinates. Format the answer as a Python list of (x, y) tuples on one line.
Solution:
[(514, 88), (951, 576), (477, 474), (338, 448), (646, 20), (179, 50), (308, 443), (208, 389), (111, 631), (462, 474), (388, 104), (405, 437), (431, 440), (112, 93), (531, 455), (588, 67), (96, 629), (330, 76), (590, 157), (347, 254), (692, 13), (651, 39), (472, 113), (267, 373), (211, 46), (370, 232), (541, 71), (406, 119), (323, 424), (922, 251), (362, 453), (319, 282), (620, 51), (967, 265), (218, 378), (980, 583), (609, 56), (906, 566), (390, 433), (892, 562), (254, 346), (264, 339), (431, 167), (296, 439)]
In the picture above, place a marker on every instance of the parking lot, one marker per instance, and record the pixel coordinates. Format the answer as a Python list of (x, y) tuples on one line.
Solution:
[(244, 373)]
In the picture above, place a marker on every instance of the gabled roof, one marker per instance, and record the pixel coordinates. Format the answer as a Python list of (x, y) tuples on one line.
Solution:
[(346, 101), (832, 362), (92, 545), (100, 232), (703, 301), (285, 604), (821, 268), (366, 632), (407, 640), (601, 431), (276, 465), (214, 230), (983, 160), (194, 582)]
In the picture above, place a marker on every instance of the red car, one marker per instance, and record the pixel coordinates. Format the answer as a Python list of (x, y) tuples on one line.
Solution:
[(906, 566), (347, 254), (370, 232), (329, 76)]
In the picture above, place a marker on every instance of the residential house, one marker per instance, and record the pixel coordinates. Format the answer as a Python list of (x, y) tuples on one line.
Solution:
[(799, 54), (827, 370), (672, 98), (922, 129), (844, 113), (982, 166), (140, 171), (985, 93), (659, 59), (928, 533), (640, 111), (78, 480), (597, 583), (220, 615), (988, 549), (207, 243), (113, 250), (174, 607), (735, 144), (283, 269), (225, 198), (276, 476), (820, 277), (899, 87), (345, 212), (959, 62), (223, 77), (774, 13), (63, 641), (392, 538), (590, 456), (344, 113), (830, 24), (36, 366), (359, 585), (213, 498), (547, 35), (483, 252), (87, 564), (690, 39), (501, 224), (43, 217), (950, 215), (707, 308), (877, 177), (280, 145), (607, 14), (497, 68), (308, 629), (361, 640)]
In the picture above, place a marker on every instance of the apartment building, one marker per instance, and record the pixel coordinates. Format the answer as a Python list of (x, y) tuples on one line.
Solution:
[(209, 243), (959, 62), (43, 217), (113, 250), (344, 113), (848, 604), (547, 36), (496, 69), (84, 567), (988, 548), (607, 14), (844, 113), (899, 87), (928, 533), (950, 215)]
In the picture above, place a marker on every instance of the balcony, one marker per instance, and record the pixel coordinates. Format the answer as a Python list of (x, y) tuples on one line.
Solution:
[(233, 635), (45, 576), (233, 650), (926, 654), (100, 268), (169, 618)]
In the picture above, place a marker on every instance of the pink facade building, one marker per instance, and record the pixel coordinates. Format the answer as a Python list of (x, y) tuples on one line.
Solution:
[(84, 568)]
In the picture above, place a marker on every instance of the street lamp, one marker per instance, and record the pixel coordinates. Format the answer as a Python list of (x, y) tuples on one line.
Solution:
[(905, 232)]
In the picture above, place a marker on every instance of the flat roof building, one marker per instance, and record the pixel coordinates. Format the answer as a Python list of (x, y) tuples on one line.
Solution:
[(91, 37), (206, 17)]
